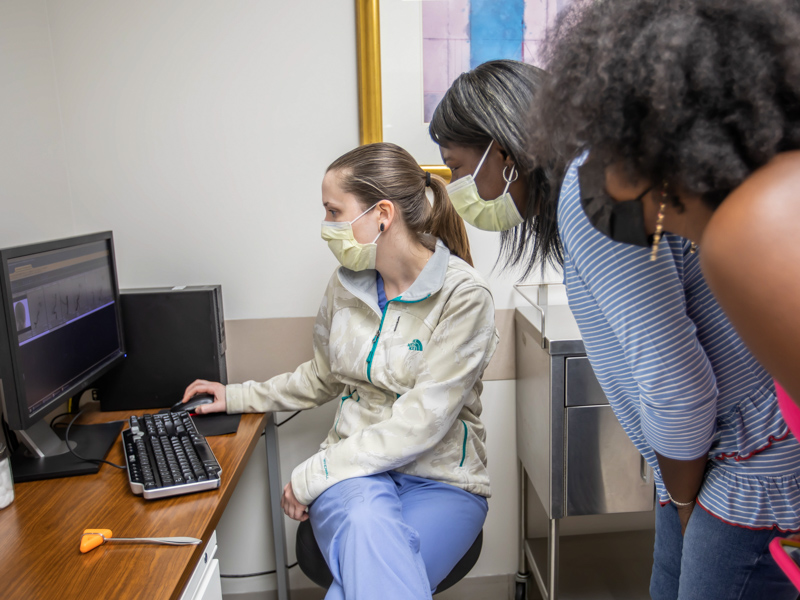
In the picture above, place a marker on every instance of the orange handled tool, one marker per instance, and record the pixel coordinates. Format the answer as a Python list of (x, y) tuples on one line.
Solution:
[(92, 538)]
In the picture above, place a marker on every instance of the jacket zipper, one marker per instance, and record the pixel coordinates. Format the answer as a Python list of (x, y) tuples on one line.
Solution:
[(380, 328), (341, 410)]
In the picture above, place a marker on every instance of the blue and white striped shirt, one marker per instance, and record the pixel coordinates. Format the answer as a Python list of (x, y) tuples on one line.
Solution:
[(676, 374)]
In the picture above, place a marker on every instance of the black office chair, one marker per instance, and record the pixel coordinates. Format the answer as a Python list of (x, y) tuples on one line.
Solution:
[(312, 563)]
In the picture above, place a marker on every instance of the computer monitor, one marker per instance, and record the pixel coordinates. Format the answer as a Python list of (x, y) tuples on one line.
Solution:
[(60, 330)]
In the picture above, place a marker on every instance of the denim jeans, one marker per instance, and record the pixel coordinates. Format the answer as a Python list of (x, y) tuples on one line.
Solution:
[(714, 561), (393, 536)]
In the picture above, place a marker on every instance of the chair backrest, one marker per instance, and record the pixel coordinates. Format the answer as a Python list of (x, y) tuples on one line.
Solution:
[(313, 565)]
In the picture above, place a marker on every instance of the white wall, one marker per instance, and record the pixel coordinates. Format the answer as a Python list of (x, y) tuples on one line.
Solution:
[(34, 188), (199, 133)]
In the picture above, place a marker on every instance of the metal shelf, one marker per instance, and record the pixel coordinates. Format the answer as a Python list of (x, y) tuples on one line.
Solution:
[(599, 565)]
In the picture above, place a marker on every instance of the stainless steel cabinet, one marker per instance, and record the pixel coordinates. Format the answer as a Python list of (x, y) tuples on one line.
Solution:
[(569, 443), (605, 473), (582, 388)]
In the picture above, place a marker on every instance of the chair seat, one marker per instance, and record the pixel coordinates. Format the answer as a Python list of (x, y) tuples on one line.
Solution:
[(312, 563)]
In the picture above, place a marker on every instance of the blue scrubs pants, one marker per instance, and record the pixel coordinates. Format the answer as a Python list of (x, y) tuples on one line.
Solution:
[(393, 536)]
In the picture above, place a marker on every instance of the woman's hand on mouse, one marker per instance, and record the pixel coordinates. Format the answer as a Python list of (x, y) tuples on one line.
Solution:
[(201, 386), (290, 505)]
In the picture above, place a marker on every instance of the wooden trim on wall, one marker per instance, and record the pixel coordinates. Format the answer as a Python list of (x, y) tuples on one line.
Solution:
[(368, 49), (370, 95)]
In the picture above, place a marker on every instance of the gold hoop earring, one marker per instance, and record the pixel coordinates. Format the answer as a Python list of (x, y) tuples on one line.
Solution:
[(659, 223)]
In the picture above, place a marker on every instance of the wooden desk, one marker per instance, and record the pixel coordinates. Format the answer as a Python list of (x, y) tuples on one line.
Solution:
[(40, 531)]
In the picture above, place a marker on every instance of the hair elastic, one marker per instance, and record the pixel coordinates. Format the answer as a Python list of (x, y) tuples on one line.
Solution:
[(427, 178)]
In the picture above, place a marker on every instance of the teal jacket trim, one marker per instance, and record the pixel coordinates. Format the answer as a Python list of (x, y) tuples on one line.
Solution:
[(464, 444), (399, 300)]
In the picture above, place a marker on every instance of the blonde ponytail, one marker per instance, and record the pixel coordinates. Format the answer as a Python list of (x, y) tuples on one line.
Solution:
[(445, 223)]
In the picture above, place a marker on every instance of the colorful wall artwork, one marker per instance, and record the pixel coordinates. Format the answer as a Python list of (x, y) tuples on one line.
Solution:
[(458, 35)]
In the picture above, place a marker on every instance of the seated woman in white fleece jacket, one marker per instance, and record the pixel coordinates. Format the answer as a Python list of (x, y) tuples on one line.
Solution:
[(397, 492)]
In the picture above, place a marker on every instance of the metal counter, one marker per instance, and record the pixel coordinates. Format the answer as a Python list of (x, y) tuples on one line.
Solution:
[(569, 442)]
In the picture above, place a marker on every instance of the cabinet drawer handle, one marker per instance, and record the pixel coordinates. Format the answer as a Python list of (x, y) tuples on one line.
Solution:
[(645, 472)]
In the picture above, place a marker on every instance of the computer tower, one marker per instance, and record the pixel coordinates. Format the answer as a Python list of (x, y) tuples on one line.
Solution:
[(172, 337)]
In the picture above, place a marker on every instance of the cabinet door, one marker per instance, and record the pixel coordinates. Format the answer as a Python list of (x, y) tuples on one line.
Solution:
[(211, 586), (605, 473), (201, 570), (582, 388)]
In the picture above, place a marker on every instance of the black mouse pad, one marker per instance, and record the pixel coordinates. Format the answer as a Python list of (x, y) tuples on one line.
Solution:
[(215, 423)]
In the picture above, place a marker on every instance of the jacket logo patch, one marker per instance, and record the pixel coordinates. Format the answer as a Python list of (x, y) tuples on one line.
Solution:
[(415, 345)]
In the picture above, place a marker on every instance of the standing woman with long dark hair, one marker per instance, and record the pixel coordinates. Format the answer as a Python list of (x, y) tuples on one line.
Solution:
[(480, 127)]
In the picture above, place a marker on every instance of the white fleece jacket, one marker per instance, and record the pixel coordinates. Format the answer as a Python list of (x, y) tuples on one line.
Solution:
[(407, 379)]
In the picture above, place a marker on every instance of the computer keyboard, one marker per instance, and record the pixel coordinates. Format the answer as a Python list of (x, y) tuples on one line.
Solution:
[(167, 456)]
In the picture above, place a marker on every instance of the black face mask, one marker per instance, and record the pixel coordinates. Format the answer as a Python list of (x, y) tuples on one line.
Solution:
[(621, 221)]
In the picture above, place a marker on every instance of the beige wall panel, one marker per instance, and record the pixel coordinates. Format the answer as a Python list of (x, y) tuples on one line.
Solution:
[(503, 366), (262, 348)]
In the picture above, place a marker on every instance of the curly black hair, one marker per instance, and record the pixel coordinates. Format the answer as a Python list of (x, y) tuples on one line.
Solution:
[(491, 102), (694, 93)]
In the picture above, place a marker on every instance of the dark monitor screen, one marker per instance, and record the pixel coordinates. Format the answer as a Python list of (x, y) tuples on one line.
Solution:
[(61, 302)]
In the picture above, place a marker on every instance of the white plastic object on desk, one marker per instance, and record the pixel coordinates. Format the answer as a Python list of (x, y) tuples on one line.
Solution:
[(6, 480), (6, 483)]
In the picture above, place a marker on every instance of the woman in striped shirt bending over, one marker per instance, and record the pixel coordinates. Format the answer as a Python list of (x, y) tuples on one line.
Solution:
[(669, 104)]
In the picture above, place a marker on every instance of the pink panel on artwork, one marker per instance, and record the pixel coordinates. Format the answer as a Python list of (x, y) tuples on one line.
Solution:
[(536, 19), (540, 15), (459, 18), (458, 58), (435, 71), (434, 19), (445, 48)]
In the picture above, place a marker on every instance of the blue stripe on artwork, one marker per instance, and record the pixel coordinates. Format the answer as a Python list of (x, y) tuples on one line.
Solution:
[(496, 30)]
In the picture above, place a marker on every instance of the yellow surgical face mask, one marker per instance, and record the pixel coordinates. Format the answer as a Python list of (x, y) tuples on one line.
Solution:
[(350, 253), (490, 215)]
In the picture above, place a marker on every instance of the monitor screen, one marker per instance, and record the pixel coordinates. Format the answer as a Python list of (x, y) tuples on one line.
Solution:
[(61, 302)]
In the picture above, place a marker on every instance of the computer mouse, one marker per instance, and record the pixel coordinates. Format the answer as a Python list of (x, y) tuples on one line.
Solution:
[(193, 402)]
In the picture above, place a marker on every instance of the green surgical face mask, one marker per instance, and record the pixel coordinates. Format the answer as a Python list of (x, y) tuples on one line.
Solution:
[(348, 251), (492, 215)]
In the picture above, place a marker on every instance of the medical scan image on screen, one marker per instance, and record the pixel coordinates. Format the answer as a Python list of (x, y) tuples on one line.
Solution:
[(57, 294)]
